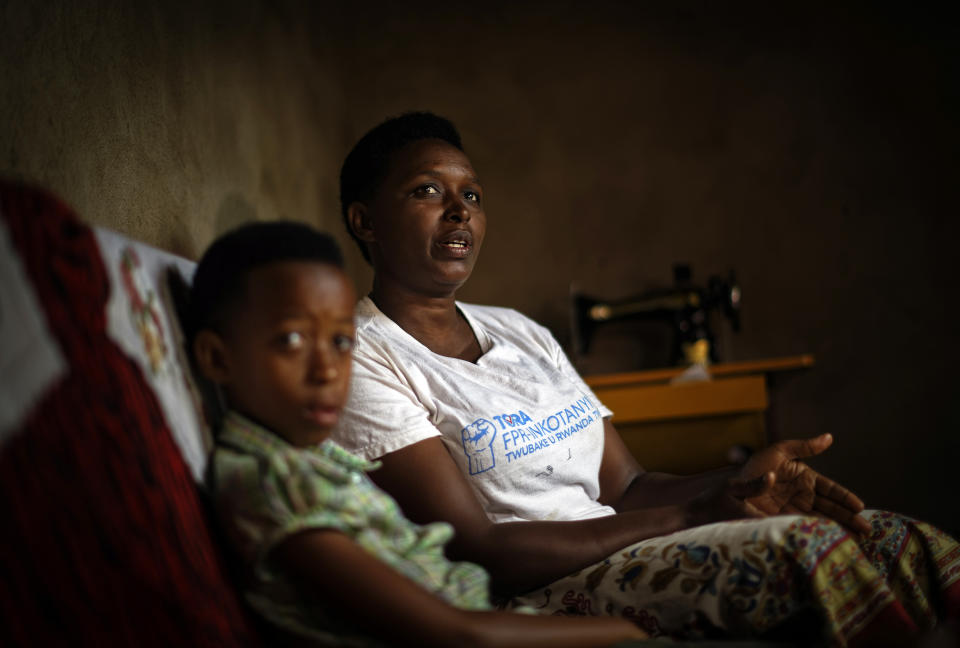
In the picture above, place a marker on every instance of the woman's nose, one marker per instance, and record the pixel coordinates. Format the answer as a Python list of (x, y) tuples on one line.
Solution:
[(457, 211)]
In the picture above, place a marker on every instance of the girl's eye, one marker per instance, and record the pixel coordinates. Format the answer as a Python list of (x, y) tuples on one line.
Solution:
[(343, 343), (291, 340), (472, 196)]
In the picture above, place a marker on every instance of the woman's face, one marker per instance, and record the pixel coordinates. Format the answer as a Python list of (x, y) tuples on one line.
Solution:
[(426, 219)]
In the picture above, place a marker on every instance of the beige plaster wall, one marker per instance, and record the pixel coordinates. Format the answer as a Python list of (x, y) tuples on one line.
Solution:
[(170, 121), (812, 148)]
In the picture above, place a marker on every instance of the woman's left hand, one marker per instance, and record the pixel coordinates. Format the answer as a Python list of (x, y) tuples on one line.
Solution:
[(799, 488)]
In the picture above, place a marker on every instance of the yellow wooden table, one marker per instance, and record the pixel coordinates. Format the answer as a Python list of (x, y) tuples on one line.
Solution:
[(688, 427)]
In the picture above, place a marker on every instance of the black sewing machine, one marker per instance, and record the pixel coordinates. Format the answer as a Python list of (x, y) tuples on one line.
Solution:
[(684, 306)]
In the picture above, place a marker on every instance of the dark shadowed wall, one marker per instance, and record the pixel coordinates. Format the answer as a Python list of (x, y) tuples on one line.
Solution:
[(812, 148)]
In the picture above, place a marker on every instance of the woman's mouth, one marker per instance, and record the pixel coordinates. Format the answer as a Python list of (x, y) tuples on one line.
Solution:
[(457, 245)]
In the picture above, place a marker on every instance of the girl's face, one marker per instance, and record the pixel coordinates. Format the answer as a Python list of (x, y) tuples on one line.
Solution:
[(287, 353), (426, 222)]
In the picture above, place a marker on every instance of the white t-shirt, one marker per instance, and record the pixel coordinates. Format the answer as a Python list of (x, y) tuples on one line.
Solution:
[(523, 427)]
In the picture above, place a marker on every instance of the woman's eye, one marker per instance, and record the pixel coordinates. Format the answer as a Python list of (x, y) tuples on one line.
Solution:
[(472, 196), (343, 343), (291, 340), (427, 190)]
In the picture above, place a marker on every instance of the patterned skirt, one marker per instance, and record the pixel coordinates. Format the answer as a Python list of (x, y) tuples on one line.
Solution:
[(780, 577)]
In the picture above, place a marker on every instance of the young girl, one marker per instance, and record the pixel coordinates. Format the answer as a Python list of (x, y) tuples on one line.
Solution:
[(326, 554)]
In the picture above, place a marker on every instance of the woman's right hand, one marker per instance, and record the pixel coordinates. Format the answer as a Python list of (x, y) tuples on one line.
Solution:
[(726, 500)]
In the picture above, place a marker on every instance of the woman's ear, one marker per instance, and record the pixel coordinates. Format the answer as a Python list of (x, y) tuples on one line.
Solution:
[(212, 357), (360, 222)]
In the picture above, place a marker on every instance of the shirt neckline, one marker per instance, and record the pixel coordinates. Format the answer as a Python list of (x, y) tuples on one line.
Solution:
[(483, 339)]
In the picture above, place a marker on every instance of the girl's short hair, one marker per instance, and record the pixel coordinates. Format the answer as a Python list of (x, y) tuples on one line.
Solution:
[(220, 278), (366, 166)]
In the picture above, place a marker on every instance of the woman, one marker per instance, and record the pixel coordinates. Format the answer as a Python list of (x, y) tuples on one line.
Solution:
[(480, 420)]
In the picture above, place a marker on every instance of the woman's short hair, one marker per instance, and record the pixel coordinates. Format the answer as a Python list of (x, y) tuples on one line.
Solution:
[(220, 278), (366, 166)]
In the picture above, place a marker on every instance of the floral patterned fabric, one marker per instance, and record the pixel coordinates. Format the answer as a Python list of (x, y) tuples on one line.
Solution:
[(777, 576)]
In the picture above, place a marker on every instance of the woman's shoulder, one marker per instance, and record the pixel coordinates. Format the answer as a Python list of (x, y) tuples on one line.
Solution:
[(367, 313), (497, 315), (377, 335), (509, 323)]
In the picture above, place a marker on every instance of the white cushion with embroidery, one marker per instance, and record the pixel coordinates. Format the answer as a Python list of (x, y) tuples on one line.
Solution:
[(142, 320)]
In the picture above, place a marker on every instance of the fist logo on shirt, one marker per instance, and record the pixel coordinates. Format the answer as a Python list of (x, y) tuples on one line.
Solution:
[(477, 441)]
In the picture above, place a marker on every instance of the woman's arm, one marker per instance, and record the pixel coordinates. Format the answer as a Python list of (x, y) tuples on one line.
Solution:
[(796, 487), (626, 486), (351, 582), (520, 556)]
